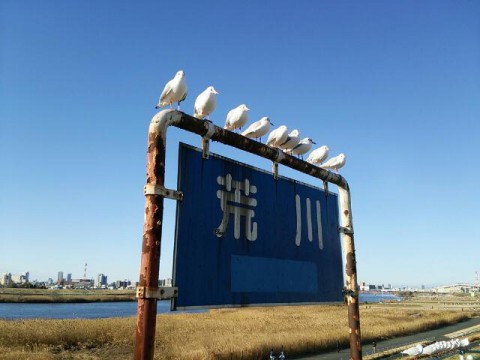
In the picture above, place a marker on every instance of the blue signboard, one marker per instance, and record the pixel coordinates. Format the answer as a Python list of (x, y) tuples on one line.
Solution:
[(243, 237)]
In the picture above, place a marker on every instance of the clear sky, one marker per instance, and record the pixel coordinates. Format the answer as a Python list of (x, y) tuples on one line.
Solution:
[(393, 84)]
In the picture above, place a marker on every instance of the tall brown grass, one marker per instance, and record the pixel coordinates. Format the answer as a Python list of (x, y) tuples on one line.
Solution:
[(218, 334)]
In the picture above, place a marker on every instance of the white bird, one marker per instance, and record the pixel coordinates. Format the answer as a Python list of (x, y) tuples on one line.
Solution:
[(319, 155), (175, 91), (335, 163), (292, 140), (430, 349), (413, 351), (277, 136), (205, 103), (302, 147), (258, 128), (464, 342), (237, 117)]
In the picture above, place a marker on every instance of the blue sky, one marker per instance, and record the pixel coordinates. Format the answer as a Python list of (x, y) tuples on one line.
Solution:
[(393, 84)]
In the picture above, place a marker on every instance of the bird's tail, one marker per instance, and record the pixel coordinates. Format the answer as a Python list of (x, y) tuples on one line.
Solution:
[(161, 104), (195, 114)]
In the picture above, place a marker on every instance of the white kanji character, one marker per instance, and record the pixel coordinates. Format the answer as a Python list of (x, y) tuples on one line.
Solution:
[(232, 202), (298, 235)]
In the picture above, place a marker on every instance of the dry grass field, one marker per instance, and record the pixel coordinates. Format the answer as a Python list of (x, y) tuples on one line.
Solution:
[(246, 333)]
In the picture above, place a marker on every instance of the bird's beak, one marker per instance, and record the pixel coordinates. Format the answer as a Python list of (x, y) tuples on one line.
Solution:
[(216, 92), (247, 108), (313, 142), (272, 123)]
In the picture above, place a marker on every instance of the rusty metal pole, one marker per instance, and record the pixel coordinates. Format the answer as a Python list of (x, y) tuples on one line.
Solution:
[(147, 291), (346, 227)]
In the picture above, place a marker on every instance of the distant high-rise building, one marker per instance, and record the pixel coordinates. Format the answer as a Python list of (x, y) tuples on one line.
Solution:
[(21, 278), (60, 278), (5, 279), (119, 284), (101, 281), (69, 278), (165, 282)]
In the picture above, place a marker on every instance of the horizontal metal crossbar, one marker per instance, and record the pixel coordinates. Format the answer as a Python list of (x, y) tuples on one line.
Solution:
[(216, 133)]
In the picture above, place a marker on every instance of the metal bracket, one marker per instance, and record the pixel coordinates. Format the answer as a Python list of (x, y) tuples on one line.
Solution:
[(325, 188), (168, 292), (154, 189), (205, 148), (280, 156), (275, 170), (348, 292), (162, 292), (145, 292), (345, 230), (206, 139)]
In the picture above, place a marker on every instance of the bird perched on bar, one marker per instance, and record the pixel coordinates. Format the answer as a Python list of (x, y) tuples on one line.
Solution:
[(301, 148), (237, 117), (175, 91), (319, 155), (277, 136), (258, 128), (291, 141), (335, 162), (205, 103)]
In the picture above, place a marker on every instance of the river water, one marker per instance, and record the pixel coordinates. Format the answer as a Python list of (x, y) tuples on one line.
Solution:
[(17, 311)]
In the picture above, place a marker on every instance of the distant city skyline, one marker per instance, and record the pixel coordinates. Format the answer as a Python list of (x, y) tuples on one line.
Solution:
[(362, 284)]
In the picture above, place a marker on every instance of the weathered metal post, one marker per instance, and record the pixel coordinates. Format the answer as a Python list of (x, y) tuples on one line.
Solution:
[(147, 291), (346, 227)]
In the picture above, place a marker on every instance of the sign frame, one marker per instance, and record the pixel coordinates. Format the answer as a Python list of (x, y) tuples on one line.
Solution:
[(152, 230)]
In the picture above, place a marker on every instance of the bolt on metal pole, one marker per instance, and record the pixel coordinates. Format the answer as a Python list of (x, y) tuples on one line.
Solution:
[(152, 234)]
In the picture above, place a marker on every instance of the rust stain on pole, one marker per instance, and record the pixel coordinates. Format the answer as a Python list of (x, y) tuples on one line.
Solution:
[(150, 261), (353, 307)]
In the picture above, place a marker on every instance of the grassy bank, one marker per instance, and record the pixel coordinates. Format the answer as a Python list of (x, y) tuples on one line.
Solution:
[(9, 295), (219, 334)]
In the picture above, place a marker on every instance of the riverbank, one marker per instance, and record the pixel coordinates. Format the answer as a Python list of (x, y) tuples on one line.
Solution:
[(228, 333), (12, 295), (49, 296)]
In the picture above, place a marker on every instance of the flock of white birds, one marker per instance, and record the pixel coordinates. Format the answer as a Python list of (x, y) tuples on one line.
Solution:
[(176, 90), (437, 347)]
